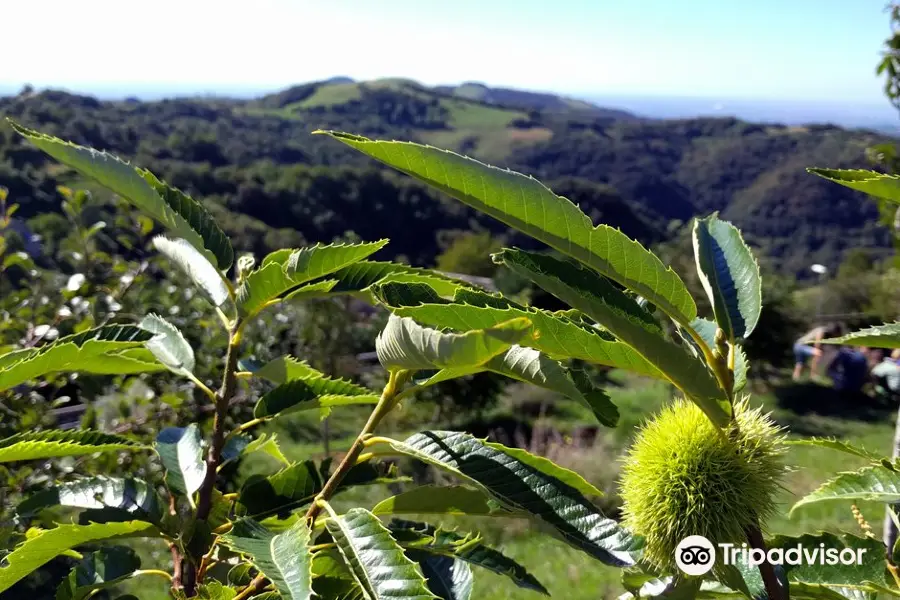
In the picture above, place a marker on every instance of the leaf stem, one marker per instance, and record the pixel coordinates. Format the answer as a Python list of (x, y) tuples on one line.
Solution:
[(203, 387), (245, 426), (156, 572)]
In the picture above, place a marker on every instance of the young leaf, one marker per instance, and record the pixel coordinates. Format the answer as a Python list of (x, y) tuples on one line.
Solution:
[(216, 591), (283, 271), (51, 444), (530, 366), (201, 272), (442, 500), (468, 548), (875, 483), (880, 185), (448, 578), (376, 560), (284, 558), (524, 487), (36, 551), (287, 368), (119, 362), (840, 446), (881, 336), (244, 444), (133, 497), (707, 331), (525, 204), (168, 345), (309, 393), (360, 276), (554, 334), (82, 352), (181, 452), (624, 318), (404, 344), (176, 211), (730, 276), (98, 570), (851, 576)]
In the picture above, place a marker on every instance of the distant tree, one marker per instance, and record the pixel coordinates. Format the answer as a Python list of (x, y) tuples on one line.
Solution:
[(469, 253)]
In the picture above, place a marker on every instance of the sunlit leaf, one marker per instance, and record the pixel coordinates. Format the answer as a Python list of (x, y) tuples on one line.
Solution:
[(284, 558), (200, 271), (377, 562), (175, 210), (404, 344), (880, 336), (181, 452), (133, 497), (79, 353), (552, 333), (52, 444), (168, 345), (874, 483), (523, 487), (36, 551), (284, 270), (624, 318), (98, 570), (730, 276), (525, 204)]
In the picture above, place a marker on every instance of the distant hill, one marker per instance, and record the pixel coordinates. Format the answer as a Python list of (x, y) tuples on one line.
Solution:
[(525, 100), (256, 164)]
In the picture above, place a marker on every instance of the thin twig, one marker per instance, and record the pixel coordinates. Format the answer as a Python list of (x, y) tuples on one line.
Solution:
[(385, 404)]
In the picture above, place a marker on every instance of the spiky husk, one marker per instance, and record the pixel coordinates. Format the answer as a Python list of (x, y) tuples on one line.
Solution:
[(684, 476)]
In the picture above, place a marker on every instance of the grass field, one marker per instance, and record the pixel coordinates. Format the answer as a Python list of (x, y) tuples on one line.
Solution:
[(808, 409)]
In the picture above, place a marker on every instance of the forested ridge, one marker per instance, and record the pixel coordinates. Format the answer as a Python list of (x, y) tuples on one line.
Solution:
[(273, 184)]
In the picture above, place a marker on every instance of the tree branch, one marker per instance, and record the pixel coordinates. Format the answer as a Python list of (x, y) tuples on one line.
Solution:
[(774, 589)]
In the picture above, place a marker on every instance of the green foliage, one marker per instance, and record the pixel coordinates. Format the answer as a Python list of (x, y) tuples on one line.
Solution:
[(45, 545), (880, 336), (377, 562), (730, 276), (52, 444), (684, 477), (631, 323), (279, 533), (523, 486), (556, 221), (282, 272), (181, 451), (89, 352), (284, 558), (879, 483), (405, 345), (555, 334), (470, 253), (97, 570), (172, 208)]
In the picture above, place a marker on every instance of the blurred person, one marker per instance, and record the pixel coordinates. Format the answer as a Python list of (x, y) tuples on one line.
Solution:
[(806, 348)]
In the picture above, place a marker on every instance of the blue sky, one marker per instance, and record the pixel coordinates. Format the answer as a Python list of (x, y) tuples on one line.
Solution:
[(810, 50)]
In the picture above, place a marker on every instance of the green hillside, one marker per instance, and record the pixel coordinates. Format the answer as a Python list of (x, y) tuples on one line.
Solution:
[(257, 161)]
